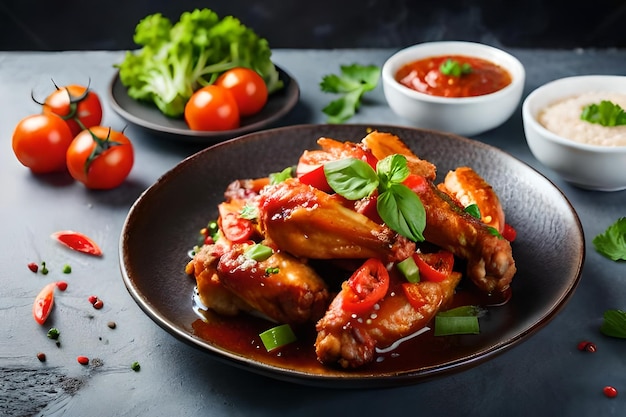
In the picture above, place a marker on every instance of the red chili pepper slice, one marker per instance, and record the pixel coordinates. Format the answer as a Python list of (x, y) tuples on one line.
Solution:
[(316, 178), (77, 241), (365, 287), (43, 303), (509, 232), (434, 266), (413, 293)]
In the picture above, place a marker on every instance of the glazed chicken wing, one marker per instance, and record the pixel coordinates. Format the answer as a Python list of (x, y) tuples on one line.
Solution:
[(309, 223), (281, 287), (350, 340)]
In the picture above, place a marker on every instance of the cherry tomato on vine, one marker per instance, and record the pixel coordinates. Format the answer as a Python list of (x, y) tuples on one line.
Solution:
[(40, 142), (100, 158), (212, 108), (365, 287), (248, 88), (75, 102)]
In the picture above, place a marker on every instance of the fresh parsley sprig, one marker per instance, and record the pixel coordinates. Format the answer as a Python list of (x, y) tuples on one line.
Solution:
[(399, 207), (353, 82), (606, 113), (612, 243)]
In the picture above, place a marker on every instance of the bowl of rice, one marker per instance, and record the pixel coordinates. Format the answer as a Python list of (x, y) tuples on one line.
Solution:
[(576, 126)]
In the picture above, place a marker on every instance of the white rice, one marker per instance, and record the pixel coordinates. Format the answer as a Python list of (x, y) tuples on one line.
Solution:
[(563, 118)]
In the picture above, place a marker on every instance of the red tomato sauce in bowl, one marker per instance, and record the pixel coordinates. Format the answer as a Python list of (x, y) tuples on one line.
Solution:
[(425, 76)]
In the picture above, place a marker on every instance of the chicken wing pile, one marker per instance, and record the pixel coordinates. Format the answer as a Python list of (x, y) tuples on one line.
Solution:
[(274, 234)]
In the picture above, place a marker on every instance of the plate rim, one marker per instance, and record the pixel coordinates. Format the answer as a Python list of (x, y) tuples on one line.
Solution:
[(339, 378), (292, 92)]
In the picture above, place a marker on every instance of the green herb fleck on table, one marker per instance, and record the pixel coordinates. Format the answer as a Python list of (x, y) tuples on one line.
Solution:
[(354, 81), (606, 113), (612, 243), (135, 366), (53, 333)]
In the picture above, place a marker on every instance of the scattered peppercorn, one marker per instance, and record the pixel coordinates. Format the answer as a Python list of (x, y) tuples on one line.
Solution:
[(67, 269), (83, 360), (44, 269), (33, 267), (135, 366), (62, 285), (111, 325), (609, 391), (587, 346), (98, 304), (53, 333), (41, 356)]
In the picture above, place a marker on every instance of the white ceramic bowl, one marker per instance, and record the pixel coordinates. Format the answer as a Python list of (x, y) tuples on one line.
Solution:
[(463, 116), (594, 167)]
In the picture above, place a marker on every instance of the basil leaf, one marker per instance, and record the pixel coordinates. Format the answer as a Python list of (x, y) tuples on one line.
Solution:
[(402, 211), (278, 177), (392, 170), (351, 178), (473, 210)]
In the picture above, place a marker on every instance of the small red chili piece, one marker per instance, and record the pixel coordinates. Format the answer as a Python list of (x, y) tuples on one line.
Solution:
[(77, 241), (83, 360), (609, 391), (43, 303), (62, 285), (41, 356), (98, 304), (587, 346), (33, 267), (92, 299)]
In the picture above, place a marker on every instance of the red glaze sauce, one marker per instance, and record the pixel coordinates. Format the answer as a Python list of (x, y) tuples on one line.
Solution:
[(424, 76)]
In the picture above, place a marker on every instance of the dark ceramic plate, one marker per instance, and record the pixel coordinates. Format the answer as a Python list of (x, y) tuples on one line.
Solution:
[(164, 222), (149, 117)]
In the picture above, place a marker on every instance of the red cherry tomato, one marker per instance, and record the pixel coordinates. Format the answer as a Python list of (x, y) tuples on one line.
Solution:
[(365, 287), (212, 108), (77, 241), (235, 228), (416, 183), (40, 142), (72, 103), (248, 88), (435, 266), (43, 303), (100, 158)]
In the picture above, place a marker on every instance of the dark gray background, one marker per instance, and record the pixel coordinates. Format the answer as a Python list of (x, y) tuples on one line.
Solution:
[(109, 24)]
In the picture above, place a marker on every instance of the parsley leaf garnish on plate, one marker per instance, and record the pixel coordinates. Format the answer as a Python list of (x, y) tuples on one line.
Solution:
[(614, 323), (612, 243), (353, 82), (606, 113)]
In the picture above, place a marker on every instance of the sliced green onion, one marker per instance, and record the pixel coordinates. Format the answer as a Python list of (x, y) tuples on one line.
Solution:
[(459, 320), (449, 325), (469, 310), (409, 269), (277, 336), (249, 212), (259, 252)]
